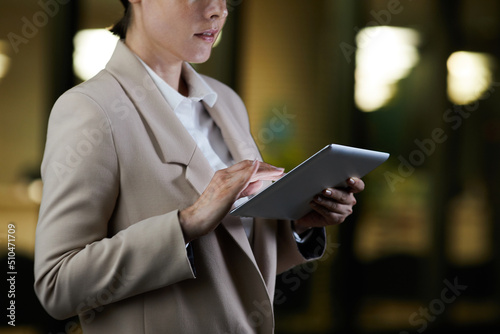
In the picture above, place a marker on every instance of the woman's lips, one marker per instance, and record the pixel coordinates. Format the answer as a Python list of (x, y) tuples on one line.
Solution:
[(208, 35)]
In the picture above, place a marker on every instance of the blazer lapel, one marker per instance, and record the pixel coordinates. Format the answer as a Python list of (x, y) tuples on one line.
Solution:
[(241, 146), (174, 145), (237, 138)]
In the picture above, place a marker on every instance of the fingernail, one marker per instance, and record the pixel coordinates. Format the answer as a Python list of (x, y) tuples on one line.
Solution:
[(328, 192), (351, 181), (319, 199)]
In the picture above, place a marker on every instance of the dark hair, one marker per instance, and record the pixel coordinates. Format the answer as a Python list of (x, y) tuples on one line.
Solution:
[(120, 27)]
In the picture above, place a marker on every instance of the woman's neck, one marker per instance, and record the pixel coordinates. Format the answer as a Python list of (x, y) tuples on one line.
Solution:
[(170, 71)]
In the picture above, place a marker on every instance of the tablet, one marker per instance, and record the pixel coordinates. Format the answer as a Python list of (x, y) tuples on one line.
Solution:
[(289, 197)]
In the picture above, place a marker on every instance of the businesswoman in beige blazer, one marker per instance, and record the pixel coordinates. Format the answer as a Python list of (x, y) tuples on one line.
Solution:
[(141, 166)]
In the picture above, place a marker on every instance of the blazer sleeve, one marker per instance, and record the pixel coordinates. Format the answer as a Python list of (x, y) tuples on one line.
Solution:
[(291, 253), (76, 259)]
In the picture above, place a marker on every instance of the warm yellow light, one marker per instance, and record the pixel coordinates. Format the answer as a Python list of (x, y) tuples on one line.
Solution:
[(219, 38), (93, 49), (4, 65), (469, 76), (4, 59), (35, 189), (384, 56)]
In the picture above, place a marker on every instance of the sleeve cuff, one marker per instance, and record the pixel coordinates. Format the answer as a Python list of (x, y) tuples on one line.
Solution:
[(190, 255), (311, 243), (302, 238)]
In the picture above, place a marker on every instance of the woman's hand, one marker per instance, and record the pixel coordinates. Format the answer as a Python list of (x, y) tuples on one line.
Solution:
[(331, 207), (229, 184)]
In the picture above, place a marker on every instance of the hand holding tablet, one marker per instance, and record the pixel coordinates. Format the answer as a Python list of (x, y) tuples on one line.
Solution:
[(289, 197)]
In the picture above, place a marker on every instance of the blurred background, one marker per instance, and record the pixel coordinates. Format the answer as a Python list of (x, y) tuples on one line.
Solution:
[(417, 79)]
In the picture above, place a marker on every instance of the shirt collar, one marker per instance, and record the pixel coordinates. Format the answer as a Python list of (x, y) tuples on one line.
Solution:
[(198, 88)]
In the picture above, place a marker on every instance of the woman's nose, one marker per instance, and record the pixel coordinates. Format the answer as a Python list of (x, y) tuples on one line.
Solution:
[(216, 9)]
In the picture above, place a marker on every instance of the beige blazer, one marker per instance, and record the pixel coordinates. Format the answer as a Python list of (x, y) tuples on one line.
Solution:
[(118, 165)]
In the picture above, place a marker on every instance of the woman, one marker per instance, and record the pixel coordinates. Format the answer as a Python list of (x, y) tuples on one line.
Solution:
[(141, 166)]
